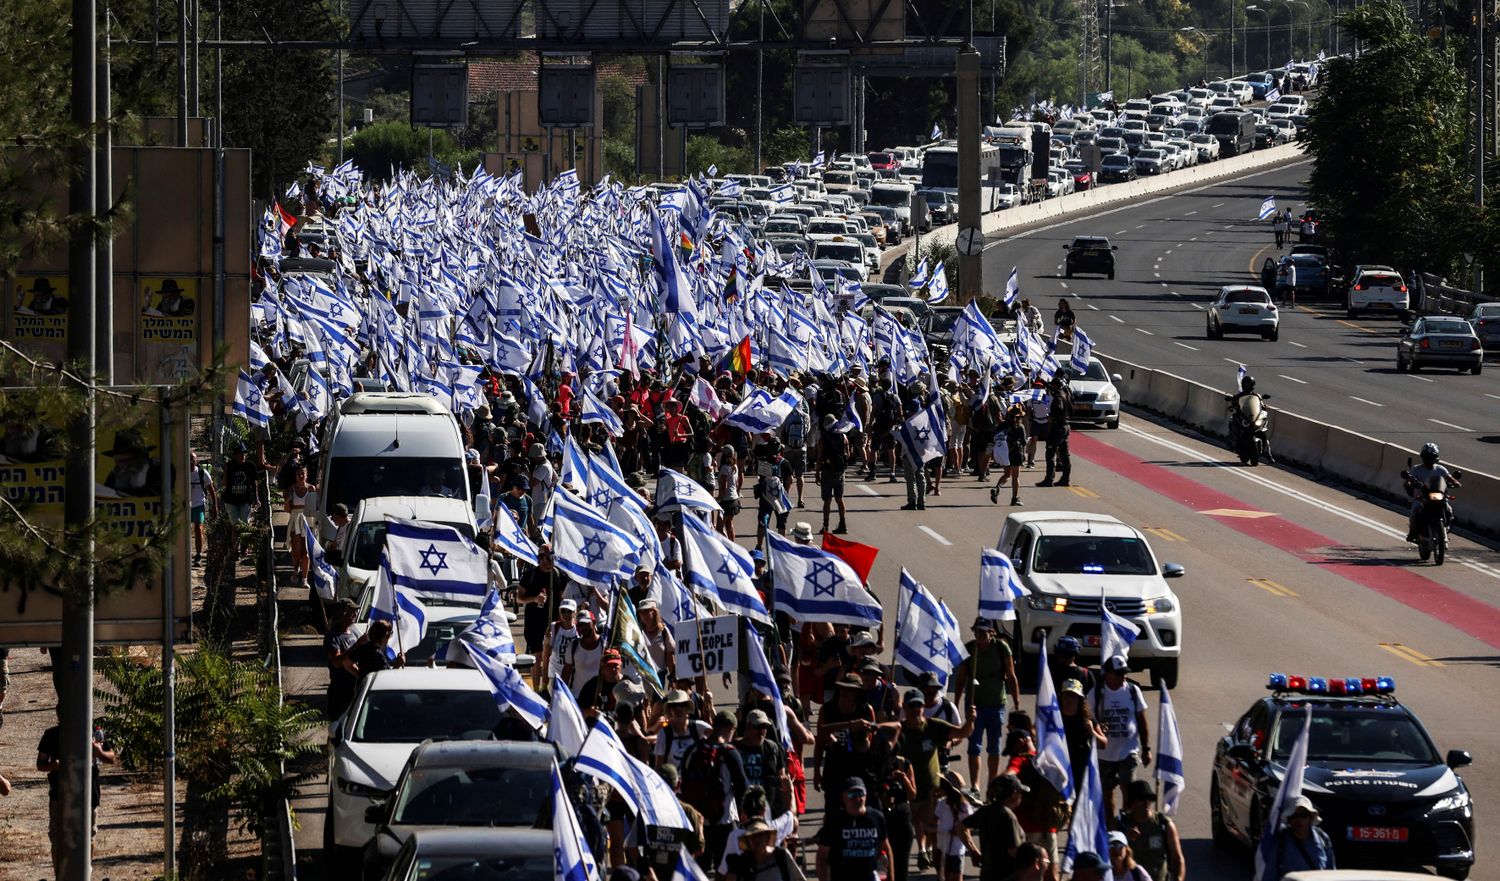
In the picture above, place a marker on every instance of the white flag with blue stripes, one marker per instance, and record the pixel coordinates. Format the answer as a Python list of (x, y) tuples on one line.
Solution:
[(1286, 792), (814, 585), (1083, 350), (511, 538), (1088, 832), (928, 638), (509, 689), (763, 680), (851, 420), (999, 586), (1116, 634), (1051, 742), (1267, 207), (722, 569), (489, 634), (434, 560), (937, 286), (924, 436), (673, 488), (574, 861), (1013, 286), (937, 132), (588, 547), (250, 402), (406, 614), (604, 758), (320, 573), (760, 413), (566, 727), (1169, 755), (594, 410)]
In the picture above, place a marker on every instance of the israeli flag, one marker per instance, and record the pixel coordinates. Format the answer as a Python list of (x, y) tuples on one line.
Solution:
[(851, 420), (763, 680), (1290, 788), (687, 868), (406, 614), (509, 689), (937, 133), (721, 568), (713, 171), (1083, 349), (673, 488), (604, 758), (1105, 97), (928, 638), (434, 560), (586, 545), (937, 287), (566, 728), (594, 410), (760, 413), (574, 862), (490, 633), (1088, 832), (814, 585), (1267, 207), (923, 436), (1273, 95), (1116, 634), (1013, 286), (999, 586), (817, 161), (1239, 376), (250, 402), (511, 538), (320, 572), (783, 194), (919, 278), (1051, 743), (1169, 755)]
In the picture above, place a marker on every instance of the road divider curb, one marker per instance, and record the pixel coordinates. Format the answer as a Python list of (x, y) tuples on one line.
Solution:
[(1327, 451)]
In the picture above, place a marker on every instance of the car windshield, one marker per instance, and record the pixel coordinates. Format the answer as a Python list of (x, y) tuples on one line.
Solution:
[(1149, 154), (936, 198), (895, 198), (473, 797), (944, 319), (1373, 279), (1447, 325), (1090, 243), (1095, 372), (1356, 734), (1116, 160), (1489, 310), (414, 716), (1245, 297), (1093, 555), (352, 479), (838, 251), (880, 158), (534, 868), (369, 541)]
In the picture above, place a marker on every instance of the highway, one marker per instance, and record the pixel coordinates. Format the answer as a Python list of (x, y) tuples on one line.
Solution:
[(1175, 251), (1283, 574)]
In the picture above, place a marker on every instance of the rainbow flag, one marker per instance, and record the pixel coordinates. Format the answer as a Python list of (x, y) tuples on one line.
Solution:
[(739, 357)]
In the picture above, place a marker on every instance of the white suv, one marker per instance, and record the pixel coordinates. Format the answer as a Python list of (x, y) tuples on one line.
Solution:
[(1378, 288), (1070, 561), (392, 713)]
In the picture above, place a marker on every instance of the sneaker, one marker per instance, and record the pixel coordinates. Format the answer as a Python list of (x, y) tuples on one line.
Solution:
[(842, 530), (908, 507), (1015, 501), (922, 862), (1047, 482), (994, 495), (921, 506), (197, 558), (1063, 482)]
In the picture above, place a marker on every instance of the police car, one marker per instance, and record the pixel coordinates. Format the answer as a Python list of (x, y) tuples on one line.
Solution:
[(1387, 798)]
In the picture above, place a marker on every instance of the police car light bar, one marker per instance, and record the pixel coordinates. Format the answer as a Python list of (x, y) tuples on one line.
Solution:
[(1353, 685)]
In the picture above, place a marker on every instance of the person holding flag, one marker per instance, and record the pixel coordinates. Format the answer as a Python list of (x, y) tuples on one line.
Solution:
[(985, 677), (1120, 709), (1298, 844)]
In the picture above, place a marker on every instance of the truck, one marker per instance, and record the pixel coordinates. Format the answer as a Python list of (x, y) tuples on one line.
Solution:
[(1013, 146)]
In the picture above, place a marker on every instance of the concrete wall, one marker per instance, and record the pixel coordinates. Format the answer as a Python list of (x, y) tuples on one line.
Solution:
[(1329, 452)]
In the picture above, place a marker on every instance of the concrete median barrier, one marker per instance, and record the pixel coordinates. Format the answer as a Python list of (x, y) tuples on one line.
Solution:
[(1299, 440)]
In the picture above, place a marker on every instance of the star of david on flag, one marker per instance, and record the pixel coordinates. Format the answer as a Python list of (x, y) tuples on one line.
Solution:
[(814, 585), (435, 560), (928, 638)]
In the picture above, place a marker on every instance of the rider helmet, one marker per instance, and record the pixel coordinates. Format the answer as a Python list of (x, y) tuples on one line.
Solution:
[(1247, 384), (1429, 454)]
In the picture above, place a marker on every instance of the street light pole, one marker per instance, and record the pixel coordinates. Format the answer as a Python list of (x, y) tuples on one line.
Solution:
[(1267, 13)]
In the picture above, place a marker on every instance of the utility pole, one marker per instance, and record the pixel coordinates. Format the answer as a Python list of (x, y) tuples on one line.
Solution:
[(1481, 112), (760, 86), (73, 664), (970, 266), (339, 77), (182, 74), (104, 194)]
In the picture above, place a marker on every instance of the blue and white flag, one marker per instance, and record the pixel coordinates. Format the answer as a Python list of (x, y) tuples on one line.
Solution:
[(586, 546), (763, 680), (687, 868), (1169, 755), (937, 286), (490, 633), (1286, 793), (397, 605), (673, 488), (604, 758), (511, 538), (1089, 831), (1267, 207), (851, 420), (760, 413), (817, 161), (722, 569), (1116, 634), (250, 402), (937, 133), (566, 727), (1013, 286), (1083, 350), (1239, 376), (999, 586), (1051, 742), (509, 689), (919, 278), (923, 436), (434, 560), (574, 861), (1273, 95), (928, 638), (814, 585), (320, 572), (591, 409)]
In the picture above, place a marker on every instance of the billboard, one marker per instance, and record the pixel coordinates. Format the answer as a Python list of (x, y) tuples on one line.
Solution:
[(38, 306)]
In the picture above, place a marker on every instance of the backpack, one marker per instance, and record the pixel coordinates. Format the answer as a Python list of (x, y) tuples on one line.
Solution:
[(796, 430), (702, 778)]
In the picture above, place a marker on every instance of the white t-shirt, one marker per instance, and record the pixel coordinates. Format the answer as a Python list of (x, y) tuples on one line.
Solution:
[(671, 746), (949, 818), (784, 826), (585, 663), (543, 479), (944, 710), (562, 643), (198, 479), (1116, 711), (729, 481)]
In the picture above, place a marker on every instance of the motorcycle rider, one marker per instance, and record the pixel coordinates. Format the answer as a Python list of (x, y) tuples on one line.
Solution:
[(1418, 477), (1247, 389)]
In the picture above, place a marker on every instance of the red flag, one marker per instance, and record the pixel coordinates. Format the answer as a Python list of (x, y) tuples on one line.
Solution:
[(286, 220), (861, 558)]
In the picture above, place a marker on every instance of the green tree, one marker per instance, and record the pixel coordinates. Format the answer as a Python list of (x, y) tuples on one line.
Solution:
[(384, 147), (1387, 137)]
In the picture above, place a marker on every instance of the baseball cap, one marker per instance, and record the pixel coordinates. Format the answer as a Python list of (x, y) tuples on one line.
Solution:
[(861, 639), (1089, 861), (611, 656), (1300, 803), (1117, 664), (1073, 686), (1068, 645), (1140, 790), (471, 455), (568, 606), (1118, 837), (983, 623), (757, 718), (585, 616), (520, 481), (757, 554), (855, 787), (647, 603), (724, 719), (1007, 785), (929, 680), (913, 696)]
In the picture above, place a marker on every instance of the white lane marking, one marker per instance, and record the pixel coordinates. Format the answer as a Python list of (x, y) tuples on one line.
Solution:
[(1449, 425), (1121, 232), (1144, 331), (935, 536), (1157, 274), (1141, 226), (1190, 214), (1193, 239), (1488, 395), (1063, 283), (1218, 204), (1366, 401), (1235, 361), (1177, 293), (867, 489), (1321, 504), (1165, 253), (1162, 283), (1196, 306), (1422, 378), (1210, 232), (1186, 346), (1092, 306), (1117, 318), (1293, 379), (1297, 344)]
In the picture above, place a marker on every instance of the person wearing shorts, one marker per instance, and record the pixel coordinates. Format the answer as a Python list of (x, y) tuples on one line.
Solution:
[(833, 461), (986, 676)]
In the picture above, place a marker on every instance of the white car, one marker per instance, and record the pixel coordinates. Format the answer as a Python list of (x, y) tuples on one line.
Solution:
[(1207, 144), (366, 533), (1095, 398), (1244, 309), (1071, 561), (1007, 196), (1186, 149), (1240, 89), (1378, 288), (392, 713)]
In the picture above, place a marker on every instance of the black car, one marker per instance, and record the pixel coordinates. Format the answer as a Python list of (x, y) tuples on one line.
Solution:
[(1268, 136), (1117, 168), (1090, 254), (1388, 799)]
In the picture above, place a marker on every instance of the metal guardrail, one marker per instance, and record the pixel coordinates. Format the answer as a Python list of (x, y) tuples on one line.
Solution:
[(278, 852), (1436, 295)]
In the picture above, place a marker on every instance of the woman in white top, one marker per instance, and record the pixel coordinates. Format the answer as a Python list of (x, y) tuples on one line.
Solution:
[(952, 807), (729, 489), (296, 503)]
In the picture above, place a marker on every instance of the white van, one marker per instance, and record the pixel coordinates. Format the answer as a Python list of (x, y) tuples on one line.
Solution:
[(897, 196), (366, 533), (388, 444)]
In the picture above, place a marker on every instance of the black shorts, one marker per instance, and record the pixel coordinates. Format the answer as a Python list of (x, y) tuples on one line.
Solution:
[(731, 506), (797, 458), (832, 481)]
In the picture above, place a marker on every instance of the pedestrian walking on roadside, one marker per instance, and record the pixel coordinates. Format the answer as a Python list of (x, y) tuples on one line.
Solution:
[(1279, 227)]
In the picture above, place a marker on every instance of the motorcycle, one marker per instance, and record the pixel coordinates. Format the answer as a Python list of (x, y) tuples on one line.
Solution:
[(1250, 428), (1434, 514)]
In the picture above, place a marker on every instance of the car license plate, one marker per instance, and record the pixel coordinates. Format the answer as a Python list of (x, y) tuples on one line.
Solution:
[(1248, 310), (1093, 253), (1449, 344), (1085, 409), (1391, 834), (1092, 642)]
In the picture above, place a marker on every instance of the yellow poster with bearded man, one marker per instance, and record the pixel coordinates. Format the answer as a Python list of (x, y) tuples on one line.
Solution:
[(169, 310)]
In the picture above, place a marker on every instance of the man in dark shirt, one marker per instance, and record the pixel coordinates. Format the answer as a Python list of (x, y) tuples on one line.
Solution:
[(1059, 460), (541, 592), (240, 479), (598, 694), (833, 659), (369, 655), (763, 758), (337, 644), (1067, 667), (1000, 833), (852, 840), (49, 761)]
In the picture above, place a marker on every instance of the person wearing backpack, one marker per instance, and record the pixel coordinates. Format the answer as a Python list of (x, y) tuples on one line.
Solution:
[(761, 858), (794, 436), (713, 779), (1120, 709), (1151, 835)]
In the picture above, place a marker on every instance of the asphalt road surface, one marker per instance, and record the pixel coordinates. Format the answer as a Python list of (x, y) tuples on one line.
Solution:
[(1175, 251), (1283, 574)]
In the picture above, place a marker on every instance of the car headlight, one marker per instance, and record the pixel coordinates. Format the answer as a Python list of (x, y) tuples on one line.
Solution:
[(350, 787), (1045, 602), (1456, 800), (1109, 394), (1160, 605)]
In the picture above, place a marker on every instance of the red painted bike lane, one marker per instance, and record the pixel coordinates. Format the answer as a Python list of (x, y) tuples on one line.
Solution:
[(1478, 619)]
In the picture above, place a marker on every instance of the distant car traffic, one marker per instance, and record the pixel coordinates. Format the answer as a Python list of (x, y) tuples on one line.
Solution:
[(1485, 319), (1093, 254), (1117, 168), (1095, 399), (1439, 341)]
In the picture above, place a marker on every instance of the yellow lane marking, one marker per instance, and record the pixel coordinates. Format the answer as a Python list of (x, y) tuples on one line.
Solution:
[(1407, 653), (1254, 266), (1359, 327), (1232, 512), (1164, 534), (1083, 492), (1272, 587)]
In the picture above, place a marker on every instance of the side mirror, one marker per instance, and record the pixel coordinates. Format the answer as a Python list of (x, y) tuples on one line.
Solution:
[(1114, 247), (1116, 377), (1458, 758), (1065, 247), (1172, 570), (1243, 752), (375, 813)]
